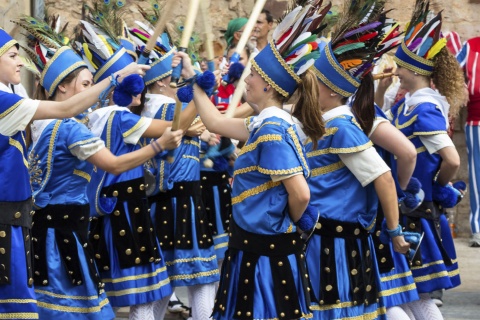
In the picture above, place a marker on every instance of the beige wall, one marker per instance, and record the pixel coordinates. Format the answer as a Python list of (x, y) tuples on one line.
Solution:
[(460, 16)]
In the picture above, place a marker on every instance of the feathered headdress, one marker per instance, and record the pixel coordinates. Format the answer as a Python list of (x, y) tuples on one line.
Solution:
[(294, 47), (49, 50), (361, 36), (423, 40), (103, 40)]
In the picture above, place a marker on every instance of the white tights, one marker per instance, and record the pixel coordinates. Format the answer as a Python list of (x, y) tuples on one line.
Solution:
[(401, 312), (149, 311), (425, 308), (201, 298)]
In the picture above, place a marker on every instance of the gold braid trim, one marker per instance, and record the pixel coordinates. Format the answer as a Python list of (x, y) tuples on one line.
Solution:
[(330, 84), (82, 174), (254, 191), (437, 275), (107, 65), (352, 149), (18, 145), (396, 276), (320, 152), (327, 169), (137, 277), (19, 315), (252, 146), (244, 170), (9, 110), (73, 145), (280, 172), (171, 263), (166, 74), (284, 64), (138, 289), (194, 275), (407, 123), (429, 133), (192, 142), (190, 157), (268, 79), (62, 296), (421, 149), (52, 306), (298, 146), (389, 292), (347, 76), (7, 47), (134, 128)]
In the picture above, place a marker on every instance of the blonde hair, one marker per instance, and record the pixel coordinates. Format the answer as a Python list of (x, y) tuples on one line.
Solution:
[(449, 80)]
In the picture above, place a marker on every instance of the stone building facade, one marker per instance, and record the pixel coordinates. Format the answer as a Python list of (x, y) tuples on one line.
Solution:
[(458, 16)]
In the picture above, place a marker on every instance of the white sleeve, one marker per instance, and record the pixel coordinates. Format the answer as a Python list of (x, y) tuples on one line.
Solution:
[(376, 122), (18, 119), (366, 165), (134, 136), (84, 152), (436, 142)]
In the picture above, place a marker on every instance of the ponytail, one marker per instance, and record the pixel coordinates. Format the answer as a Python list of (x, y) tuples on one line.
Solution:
[(40, 93), (138, 109), (307, 110), (449, 80), (363, 105)]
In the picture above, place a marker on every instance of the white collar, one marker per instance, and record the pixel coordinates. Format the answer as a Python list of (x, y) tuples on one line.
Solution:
[(5, 88), (337, 111), (98, 118), (279, 113), (153, 103)]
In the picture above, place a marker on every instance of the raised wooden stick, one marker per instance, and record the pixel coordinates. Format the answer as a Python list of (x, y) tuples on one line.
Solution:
[(207, 24), (160, 27), (187, 32), (257, 9), (239, 90)]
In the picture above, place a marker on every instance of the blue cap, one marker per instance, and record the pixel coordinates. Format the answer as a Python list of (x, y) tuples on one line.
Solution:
[(6, 42), (333, 75), (413, 62), (63, 62), (119, 60), (275, 71)]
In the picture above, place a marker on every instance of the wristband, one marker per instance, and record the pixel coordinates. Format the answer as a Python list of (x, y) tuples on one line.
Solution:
[(395, 232), (155, 148), (157, 145), (103, 96)]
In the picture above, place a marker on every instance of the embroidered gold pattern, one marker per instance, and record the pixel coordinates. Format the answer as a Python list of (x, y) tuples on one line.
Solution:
[(327, 169), (421, 149), (284, 64), (280, 172), (407, 123), (62, 296), (347, 76), (7, 46), (352, 149), (134, 128), (330, 84), (416, 58), (192, 142), (51, 306), (254, 191), (245, 170), (166, 74), (62, 75), (19, 315), (429, 133)]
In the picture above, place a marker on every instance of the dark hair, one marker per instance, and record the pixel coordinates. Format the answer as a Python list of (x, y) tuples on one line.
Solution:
[(138, 109), (363, 105), (268, 15), (41, 93), (306, 110)]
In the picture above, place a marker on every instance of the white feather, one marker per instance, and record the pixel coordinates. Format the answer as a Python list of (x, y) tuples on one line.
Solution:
[(301, 15), (286, 23), (306, 66), (91, 35), (144, 27), (302, 37)]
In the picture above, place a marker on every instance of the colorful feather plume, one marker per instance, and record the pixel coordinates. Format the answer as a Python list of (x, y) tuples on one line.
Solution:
[(296, 36), (42, 38), (362, 34), (423, 36)]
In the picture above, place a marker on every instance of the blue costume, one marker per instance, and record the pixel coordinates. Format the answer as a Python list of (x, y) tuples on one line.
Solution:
[(397, 285), (435, 266), (341, 253), (176, 204), (126, 248), (16, 277), (66, 278), (264, 270)]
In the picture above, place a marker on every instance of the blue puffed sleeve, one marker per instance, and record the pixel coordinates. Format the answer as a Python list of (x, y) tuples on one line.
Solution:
[(130, 122), (281, 152), (348, 137), (429, 120), (78, 134)]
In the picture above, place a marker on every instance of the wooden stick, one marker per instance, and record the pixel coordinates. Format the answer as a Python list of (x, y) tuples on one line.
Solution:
[(160, 27), (252, 20), (239, 90), (187, 32), (257, 9), (207, 25), (379, 76)]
